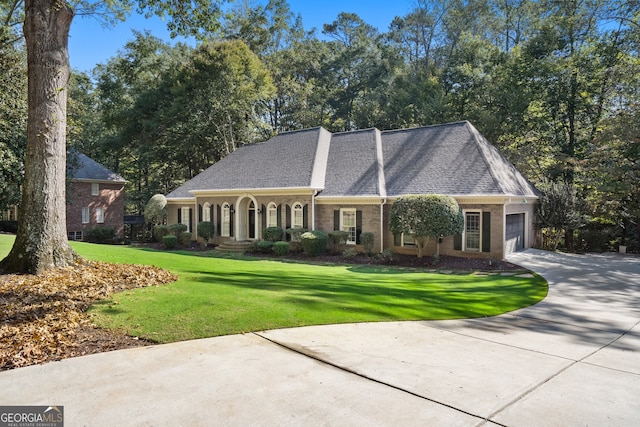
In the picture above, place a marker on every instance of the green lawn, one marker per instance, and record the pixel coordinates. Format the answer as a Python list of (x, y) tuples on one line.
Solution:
[(219, 296)]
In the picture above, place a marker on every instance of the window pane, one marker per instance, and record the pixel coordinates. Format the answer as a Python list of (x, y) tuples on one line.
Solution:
[(349, 224), (99, 215), (272, 215), (226, 219), (472, 231), (85, 215), (298, 218)]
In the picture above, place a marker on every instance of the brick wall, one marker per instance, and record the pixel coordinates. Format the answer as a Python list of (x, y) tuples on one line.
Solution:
[(110, 198)]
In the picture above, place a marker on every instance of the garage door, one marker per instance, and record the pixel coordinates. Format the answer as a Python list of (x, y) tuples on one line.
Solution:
[(514, 238)]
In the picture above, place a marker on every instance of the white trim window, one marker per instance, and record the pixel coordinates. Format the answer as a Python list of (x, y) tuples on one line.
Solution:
[(95, 189), (226, 220), (85, 215), (206, 212), (272, 215), (298, 216), (348, 224), (185, 213), (100, 215), (408, 239), (472, 231)]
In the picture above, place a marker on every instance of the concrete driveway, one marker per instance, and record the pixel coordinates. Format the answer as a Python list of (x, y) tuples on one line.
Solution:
[(571, 360)]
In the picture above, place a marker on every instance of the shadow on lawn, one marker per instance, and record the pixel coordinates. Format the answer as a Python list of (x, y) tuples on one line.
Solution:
[(415, 298)]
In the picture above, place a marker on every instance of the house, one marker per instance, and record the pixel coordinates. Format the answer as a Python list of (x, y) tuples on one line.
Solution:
[(95, 197), (319, 180)]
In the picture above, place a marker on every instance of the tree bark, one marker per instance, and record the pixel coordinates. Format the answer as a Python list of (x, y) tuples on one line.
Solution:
[(41, 242)]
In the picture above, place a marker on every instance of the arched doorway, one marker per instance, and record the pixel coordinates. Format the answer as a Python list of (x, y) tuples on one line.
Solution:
[(247, 216)]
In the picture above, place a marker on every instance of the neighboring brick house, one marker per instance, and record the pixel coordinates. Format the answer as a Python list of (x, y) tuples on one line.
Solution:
[(347, 181), (95, 197)]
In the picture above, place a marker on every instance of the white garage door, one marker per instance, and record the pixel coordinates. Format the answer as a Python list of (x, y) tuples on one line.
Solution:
[(514, 237)]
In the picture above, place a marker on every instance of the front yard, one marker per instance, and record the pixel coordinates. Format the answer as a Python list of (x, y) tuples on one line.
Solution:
[(216, 295)]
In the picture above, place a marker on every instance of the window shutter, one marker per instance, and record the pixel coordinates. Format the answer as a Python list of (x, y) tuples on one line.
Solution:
[(264, 214), (457, 242), (279, 210), (288, 225), (358, 226), (305, 217), (191, 220), (486, 231), (218, 219), (336, 220), (179, 215), (199, 213), (231, 227), (211, 213)]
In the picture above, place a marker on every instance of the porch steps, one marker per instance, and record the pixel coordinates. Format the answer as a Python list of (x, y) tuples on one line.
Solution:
[(234, 246)]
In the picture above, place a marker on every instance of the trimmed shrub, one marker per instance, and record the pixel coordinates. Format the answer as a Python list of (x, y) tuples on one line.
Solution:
[(265, 246), (100, 234), (186, 238), (272, 234), (314, 243), (368, 240), (337, 241), (281, 248), (159, 231), (177, 230), (387, 257), (350, 253), (170, 241), (206, 230), (296, 233)]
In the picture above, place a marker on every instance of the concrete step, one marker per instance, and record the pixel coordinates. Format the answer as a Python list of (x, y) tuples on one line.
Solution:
[(234, 246)]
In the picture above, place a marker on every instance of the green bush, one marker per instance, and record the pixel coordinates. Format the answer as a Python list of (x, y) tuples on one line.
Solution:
[(272, 234), (265, 246), (337, 241), (170, 241), (177, 230), (368, 240), (159, 231), (186, 238), (206, 230), (387, 257), (281, 248), (100, 234), (296, 233), (350, 253), (314, 243)]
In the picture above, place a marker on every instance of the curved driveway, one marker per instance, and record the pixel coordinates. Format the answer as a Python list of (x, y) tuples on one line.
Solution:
[(571, 360)]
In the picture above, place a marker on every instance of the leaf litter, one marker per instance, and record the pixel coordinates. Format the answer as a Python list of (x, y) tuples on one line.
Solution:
[(44, 317)]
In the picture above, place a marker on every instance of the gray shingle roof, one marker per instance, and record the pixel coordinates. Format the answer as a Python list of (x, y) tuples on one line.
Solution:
[(82, 167), (285, 161), (352, 167), (445, 159)]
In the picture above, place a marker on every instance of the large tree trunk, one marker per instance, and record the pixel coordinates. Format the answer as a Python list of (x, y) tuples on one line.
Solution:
[(41, 242)]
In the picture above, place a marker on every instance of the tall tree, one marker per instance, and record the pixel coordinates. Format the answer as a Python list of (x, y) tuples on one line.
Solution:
[(41, 242)]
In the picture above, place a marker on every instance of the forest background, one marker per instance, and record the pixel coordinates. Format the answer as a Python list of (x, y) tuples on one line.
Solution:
[(555, 85)]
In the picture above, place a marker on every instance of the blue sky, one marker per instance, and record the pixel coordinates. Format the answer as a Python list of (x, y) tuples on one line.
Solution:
[(91, 44)]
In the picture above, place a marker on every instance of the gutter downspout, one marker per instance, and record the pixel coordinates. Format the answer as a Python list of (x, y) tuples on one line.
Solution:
[(384, 201), (313, 210)]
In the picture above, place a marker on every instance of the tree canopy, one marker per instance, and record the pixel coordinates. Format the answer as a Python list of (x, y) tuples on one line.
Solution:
[(425, 216)]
